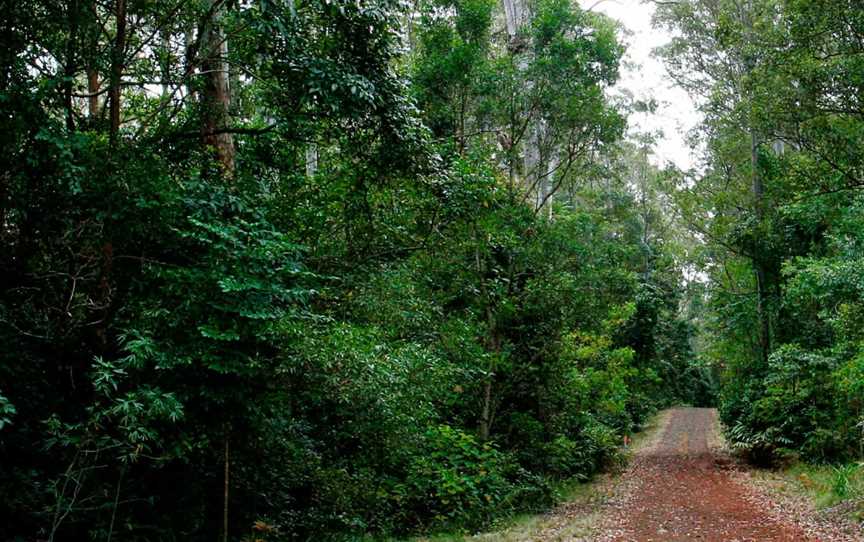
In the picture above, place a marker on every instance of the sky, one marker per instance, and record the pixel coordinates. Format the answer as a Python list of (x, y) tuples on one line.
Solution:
[(646, 77)]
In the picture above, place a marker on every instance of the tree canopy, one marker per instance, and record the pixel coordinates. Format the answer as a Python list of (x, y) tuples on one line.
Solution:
[(327, 269)]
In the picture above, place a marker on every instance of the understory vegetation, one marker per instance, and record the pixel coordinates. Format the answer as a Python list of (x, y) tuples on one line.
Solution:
[(835, 491), (309, 271), (278, 270), (832, 485)]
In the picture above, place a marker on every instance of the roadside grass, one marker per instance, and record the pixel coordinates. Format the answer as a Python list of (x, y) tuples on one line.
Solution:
[(830, 485), (827, 486)]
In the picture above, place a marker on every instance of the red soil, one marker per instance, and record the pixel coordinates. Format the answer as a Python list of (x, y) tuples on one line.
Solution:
[(685, 493)]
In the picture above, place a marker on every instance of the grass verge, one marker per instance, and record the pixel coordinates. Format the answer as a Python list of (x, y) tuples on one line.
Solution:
[(829, 485)]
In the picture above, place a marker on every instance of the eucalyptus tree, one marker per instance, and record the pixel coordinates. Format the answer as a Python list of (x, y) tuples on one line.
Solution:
[(810, 93), (530, 96), (554, 114), (715, 55)]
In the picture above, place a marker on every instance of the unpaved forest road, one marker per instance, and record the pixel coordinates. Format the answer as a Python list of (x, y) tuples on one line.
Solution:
[(683, 492)]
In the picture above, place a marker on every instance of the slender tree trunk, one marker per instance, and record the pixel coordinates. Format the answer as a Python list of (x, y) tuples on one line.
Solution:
[(189, 52), (116, 504), (758, 190), (460, 130), (235, 101), (105, 294), (92, 90), (117, 62), (486, 419), (5, 177), (216, 94), (69, 67), (762, 309), (166, 63), (493, 343), (311, 159), (92, 73)]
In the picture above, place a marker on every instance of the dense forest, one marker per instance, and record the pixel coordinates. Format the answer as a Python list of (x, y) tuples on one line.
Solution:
[(779, 209), (329, 269)]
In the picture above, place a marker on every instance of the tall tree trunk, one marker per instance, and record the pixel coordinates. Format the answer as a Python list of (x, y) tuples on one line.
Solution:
[(539, 156), (93, 93), (493, 343), (117, 66), (747, 17), (189, 52), (69, 67), (460, 123), (106, 266), (486, 414), (92, 72), (165, 68), (216, 94), (311, 159), (5, 178), (514, 16), (762, 309)]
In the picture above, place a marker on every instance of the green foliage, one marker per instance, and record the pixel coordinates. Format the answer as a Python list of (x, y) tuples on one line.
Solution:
[(796, 409), (595, 448), (843, 476), (330, 297), (829, 485), (456, 482), (777, 210), (7, 411)]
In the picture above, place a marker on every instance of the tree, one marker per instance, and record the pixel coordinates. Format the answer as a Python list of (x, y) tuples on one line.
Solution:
[(266, 273)]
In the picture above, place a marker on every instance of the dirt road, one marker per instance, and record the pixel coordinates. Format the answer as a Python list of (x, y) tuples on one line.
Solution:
[(680, 486), (682, 491)]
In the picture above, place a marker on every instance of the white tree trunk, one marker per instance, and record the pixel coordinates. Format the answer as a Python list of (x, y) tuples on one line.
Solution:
[(311, 159), (514, 16)]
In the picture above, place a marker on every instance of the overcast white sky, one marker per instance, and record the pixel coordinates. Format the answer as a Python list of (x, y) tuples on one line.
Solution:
[(646, 77)]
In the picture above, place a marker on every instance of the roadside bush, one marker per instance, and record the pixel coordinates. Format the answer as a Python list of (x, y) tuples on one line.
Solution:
[(565, 457), (457, 482), (602, 443), (795, 411), (831, 485)]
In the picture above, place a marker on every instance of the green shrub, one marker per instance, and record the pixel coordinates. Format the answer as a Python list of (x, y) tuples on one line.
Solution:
[(457, 482), (567, 458), (602, 444), (595, 448), (794, 410)]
